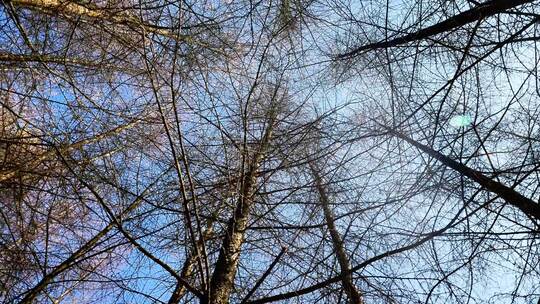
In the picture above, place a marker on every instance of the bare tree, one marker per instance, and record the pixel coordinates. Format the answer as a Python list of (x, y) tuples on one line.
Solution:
[(292, 151)]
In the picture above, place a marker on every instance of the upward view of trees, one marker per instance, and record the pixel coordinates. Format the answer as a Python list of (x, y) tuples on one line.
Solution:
[(278, 151)]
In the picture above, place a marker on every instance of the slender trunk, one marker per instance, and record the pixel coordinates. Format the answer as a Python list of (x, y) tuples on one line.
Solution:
[(345, 266), (511, 196), (223, 276), (222, 281)]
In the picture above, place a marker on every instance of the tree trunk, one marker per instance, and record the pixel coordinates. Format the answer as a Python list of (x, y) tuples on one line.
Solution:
[(222, 281), (511, 196), (345, 266)]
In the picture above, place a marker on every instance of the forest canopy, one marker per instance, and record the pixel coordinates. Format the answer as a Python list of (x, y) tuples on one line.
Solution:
[(287, 151)]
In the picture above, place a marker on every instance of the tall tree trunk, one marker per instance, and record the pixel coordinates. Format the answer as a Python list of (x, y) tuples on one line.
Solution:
[(345, 266), (222, 281)]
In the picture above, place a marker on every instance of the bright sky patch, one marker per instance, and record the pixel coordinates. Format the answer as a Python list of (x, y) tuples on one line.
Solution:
[(459, 121)]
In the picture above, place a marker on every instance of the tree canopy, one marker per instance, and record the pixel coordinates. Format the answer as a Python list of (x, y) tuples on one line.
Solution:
[(288, 151)]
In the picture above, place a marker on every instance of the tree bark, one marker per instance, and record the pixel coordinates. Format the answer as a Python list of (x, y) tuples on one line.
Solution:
[(74, 9), (222, 281)]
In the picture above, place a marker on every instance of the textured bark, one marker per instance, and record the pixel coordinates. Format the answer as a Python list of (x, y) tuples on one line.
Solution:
[(484, 10), (345, 266), (222, 281), (227, 263), (115, 16)]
